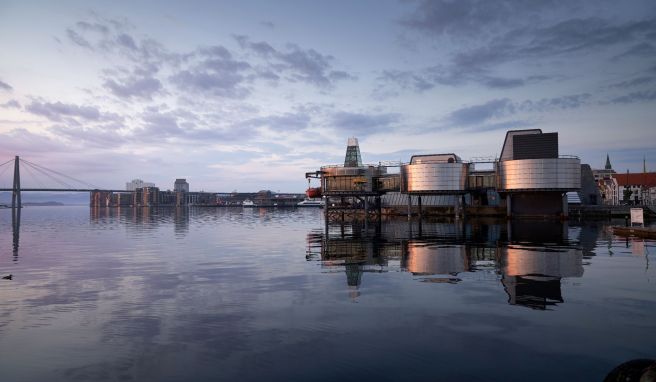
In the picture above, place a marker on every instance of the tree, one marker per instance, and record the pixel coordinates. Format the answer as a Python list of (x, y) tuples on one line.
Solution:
[(627, 194)]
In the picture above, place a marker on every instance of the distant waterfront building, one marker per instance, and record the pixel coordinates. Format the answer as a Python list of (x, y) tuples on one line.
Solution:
[(145, 197), (607, 184), (609, 190), (181, 185), (641, 184), (137, 183), (353, 157), (612, 185)]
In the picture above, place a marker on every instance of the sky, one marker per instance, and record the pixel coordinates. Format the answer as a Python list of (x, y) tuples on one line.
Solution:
[(250, 95)]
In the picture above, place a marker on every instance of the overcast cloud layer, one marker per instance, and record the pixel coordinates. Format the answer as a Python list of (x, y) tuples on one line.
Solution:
[(251, 95)]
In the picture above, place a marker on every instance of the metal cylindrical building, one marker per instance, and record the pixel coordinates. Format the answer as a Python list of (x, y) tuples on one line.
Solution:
[(539, 174), (442, 173)]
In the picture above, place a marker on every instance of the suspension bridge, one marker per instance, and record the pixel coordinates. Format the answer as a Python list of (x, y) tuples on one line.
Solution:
[(41, 179), (32, 177)]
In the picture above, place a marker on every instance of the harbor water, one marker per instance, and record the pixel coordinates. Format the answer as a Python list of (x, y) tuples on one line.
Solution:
[(223, 294)]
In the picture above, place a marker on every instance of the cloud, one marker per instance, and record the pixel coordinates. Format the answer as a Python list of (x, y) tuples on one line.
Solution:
[(287, 122), (134, 87), (414, 80), (556, 103), (77, 39), (93, 26), (361, 124), (504, 125), (641, 50), (56, 111), (582, 34), (640, 81), (211, 70), (222, 83), (477, 114), (298, 64), (163, 125), (175, 125), (217, 72), (268, 24), (103, 136), (504, 83), (12, 103), (640, 96), (470, 17), (428, 78), (491, 34), (308, 65), (572, 36), (25, 142), (481, 115), (126, 41), (5, 86), (110, 36)]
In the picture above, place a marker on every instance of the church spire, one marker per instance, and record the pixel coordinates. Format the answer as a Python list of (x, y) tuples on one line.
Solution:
[(608, 166)]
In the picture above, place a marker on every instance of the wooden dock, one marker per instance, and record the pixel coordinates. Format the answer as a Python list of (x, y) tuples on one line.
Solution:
[(644, 232)]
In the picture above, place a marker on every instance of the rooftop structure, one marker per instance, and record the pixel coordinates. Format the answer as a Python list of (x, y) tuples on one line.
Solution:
[(137, 183), (353, 157), (434, 174), (530, 162), (605, 173), (181, 185)]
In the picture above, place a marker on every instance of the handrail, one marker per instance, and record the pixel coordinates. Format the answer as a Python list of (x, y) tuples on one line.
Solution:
[(366, 165)]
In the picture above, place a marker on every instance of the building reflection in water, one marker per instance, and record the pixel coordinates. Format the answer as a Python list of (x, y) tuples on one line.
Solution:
[(424, 258), (531, 276), (528, 258), (143, 219), (181, 221)]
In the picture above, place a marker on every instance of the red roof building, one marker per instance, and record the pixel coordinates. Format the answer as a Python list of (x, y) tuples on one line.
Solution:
[(647, 179)]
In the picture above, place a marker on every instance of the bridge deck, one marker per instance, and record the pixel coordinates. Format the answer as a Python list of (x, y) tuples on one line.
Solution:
[(62, 190)]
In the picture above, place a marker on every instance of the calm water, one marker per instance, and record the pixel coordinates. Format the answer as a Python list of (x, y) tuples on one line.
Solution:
[(253, 295)]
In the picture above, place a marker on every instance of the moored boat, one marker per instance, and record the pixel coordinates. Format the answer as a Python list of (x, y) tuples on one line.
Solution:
[(313, 192), (311, 203)]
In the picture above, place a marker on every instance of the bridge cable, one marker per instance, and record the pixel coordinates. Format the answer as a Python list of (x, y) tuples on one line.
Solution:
[(33, 176), (10, 160), (4, 170), (27, 168), (60, 174), (61, 182)]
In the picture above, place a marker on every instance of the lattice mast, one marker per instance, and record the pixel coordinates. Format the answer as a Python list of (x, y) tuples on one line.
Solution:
[(353, 157)]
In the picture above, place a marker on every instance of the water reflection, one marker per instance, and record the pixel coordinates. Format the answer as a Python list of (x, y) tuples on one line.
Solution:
[(181, 222), (226, 294), (529, 259), (144, 219), (15, 230), (531, 276)]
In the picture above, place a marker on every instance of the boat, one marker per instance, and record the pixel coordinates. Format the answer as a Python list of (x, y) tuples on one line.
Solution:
[(311, 203), (248, 203), (313, 192)]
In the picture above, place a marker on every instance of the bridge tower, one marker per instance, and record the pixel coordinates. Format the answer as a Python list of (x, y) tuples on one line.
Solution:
[(16, 192)]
